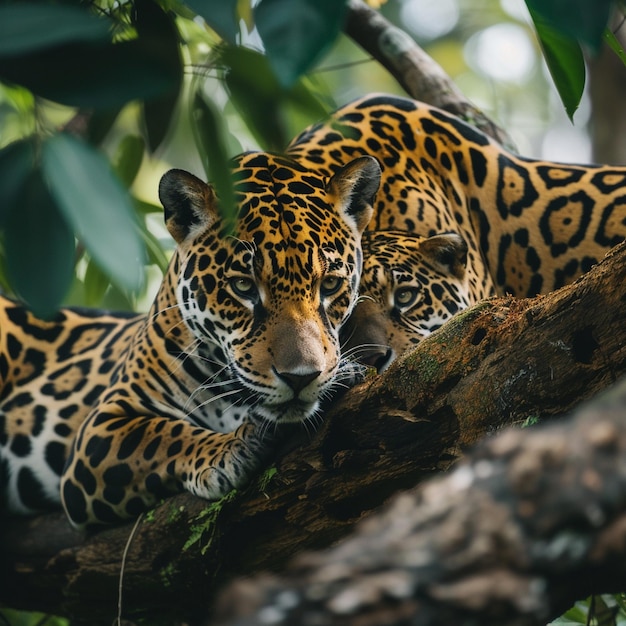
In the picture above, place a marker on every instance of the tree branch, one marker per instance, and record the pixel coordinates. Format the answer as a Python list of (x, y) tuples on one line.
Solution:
[(532, 521), (416, 72)]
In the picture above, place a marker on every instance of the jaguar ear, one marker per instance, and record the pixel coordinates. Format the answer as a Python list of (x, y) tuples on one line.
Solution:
[(190, 204), (354, 188), (448, 250)]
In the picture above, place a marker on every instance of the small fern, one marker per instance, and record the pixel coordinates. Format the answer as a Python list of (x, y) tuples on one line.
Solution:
[(204, 522)]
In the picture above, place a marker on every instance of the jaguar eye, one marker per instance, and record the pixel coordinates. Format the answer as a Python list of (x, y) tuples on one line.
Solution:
[(244, 287), (405, 297), (330, 285)]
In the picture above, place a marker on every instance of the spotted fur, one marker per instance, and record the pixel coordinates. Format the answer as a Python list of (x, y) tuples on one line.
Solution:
[(110, 413), (51, 372), (242, 337), (531, 226)]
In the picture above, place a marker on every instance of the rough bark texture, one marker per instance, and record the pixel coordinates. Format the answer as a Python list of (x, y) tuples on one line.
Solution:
[(418, 74), (530, 521), (497, 364)]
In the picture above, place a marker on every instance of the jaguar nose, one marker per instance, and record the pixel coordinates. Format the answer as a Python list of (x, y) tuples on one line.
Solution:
[(297, 382)]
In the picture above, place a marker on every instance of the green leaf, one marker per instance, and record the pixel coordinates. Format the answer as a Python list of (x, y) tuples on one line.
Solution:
[(156, 255), (615, 45), (565, 62), (146, 207), (220, 15), (39, 248), (16, 163), (620, 598), (584, 20), (158, 34), (296, 33), (128, 158), (97, 206), (35, 26), (117, 300), (100, 123), (158, 115), (255, 93), (209, 135), (86, 75), (260, 99)]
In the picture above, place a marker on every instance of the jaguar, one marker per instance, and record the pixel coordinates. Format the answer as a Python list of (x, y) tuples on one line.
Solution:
[(108, 413), (531, 226), (410, 286)]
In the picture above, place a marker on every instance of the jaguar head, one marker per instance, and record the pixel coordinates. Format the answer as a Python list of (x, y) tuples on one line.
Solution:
[(266, 299), (409, 287)]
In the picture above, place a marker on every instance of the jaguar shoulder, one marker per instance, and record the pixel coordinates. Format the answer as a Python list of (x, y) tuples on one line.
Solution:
[(115, 413), (531, 226)]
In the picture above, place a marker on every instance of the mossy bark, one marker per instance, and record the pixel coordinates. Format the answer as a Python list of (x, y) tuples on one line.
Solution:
[(532, 520)]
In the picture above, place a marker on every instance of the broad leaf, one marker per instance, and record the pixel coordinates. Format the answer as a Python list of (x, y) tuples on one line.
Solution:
[(261, 100), (565, 62), (128, 158), (97, 207), (209, 135), (117, 300), (101, 123), (296, 33), (157, 33), (16, 163), (154, 248), (28, 27), (255, 93), (141, 206), (96, 284), (40, 248), (220, 15), (93, 76), (584, 20), (615, 45)]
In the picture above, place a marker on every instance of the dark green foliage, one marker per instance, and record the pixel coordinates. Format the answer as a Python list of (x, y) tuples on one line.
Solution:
[(98, 58), (562, 26), (582, 20), (81, 178), (260, 98), (296, 33), (157, 30), (212, 145), (221, 15), (70, 58), (39, 247)]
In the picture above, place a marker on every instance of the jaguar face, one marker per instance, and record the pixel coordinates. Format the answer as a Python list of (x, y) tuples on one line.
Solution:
[(267, 300), (409, 287)]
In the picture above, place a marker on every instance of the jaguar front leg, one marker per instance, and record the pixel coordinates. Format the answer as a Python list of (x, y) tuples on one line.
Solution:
[(120, 467)]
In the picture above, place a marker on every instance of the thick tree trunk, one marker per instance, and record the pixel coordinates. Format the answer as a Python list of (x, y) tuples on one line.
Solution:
[(497, 364), (607, 90), (530, 521)]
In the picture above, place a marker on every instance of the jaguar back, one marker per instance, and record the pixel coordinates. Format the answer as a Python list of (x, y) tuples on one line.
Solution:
[(531, 226)]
